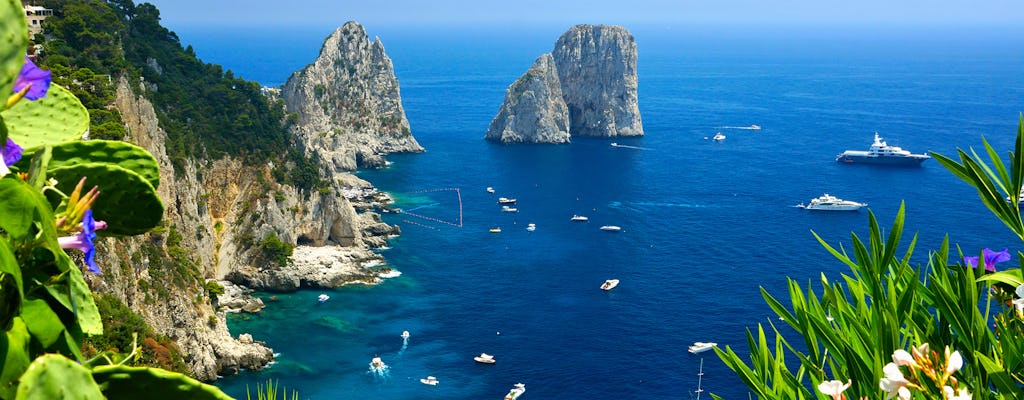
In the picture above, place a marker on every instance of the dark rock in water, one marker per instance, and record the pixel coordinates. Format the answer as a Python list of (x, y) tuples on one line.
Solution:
[(586, 87)]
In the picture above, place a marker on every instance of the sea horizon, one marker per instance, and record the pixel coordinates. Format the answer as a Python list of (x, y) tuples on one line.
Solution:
[(705, 225)]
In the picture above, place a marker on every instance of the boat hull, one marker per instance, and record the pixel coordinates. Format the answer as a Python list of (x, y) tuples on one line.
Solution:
[(911, 161)]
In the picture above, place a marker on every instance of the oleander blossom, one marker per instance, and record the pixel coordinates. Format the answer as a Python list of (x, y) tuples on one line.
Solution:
[(991, 259), (959, 394), (894, 383), (834, 388), (36, 80), (1018, 303), (83, 241)]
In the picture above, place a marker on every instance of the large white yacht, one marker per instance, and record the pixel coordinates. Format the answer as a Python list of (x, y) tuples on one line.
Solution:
[(829, 202), (882, 153)]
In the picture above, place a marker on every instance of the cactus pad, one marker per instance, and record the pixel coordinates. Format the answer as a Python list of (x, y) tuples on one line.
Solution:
[(13, 43), (54, 376), (123, 382), (127, 202), (123, 154), (58, 117)]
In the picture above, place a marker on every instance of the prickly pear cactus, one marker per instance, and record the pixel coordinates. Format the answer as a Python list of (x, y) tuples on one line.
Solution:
[(58, 117), (123, 382), (127, 202), (53, 377), (13, 43), (123, 154)]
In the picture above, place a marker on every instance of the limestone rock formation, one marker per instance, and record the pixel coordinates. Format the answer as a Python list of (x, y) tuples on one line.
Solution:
[(596, 72), (348, 103), (534, 110)]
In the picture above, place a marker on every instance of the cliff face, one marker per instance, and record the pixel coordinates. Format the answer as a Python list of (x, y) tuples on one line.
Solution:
[(534, 110), (597, 78), (348, 103)]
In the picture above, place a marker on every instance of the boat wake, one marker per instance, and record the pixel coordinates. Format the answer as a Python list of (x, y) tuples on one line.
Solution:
[(405, 342), (630, 147), (391, 274), (749, 128), (379, 370)]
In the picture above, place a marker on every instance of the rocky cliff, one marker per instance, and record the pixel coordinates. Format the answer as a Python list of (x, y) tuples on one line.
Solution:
[(348, 103), (597, 78), (534, 110)]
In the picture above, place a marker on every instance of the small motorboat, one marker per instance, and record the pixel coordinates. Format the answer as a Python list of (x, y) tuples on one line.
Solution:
[(504, 200), (718, 137), (516, 391), (430, 380), (579, 218), (484, 358), (490, 189), (322, 298), (700, 347), (615, 144), (611, 228), (494, 230), (509, 209), (376, 362), (531, 227), (405, 334), (755, 127), (610, 284)]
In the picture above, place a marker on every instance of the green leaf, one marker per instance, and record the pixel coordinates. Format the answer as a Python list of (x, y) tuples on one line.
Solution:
[(52, 377), (124, 382), (127, 201), (14, 353), (20, 208), (58, 117), (37, 168), (73, 293), (44, 325), (11, 291), (1010, 277), (13, 44)]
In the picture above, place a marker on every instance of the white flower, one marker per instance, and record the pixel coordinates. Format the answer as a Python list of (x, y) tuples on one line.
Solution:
[(834, 388), (1019, 301), (961, 394), (902, 357), (953, 361), (894, 383), (904, 393)]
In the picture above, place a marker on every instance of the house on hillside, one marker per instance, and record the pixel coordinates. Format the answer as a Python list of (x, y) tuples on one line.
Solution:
[(34, 16)]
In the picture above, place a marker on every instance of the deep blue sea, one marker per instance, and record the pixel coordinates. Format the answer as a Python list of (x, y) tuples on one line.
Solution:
[(704, 224)]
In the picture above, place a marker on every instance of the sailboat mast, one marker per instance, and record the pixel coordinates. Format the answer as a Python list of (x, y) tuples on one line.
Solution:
[(700, 375)]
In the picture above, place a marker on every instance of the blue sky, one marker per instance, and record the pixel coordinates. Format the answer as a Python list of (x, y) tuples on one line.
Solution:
[(178, 13)]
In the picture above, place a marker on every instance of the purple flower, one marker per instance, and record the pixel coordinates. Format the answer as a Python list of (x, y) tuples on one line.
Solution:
[(37, 81), (11, 152), (991, 259), (83, 240)]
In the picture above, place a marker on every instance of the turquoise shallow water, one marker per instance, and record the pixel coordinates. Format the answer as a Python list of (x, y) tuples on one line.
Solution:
[(704, 224)]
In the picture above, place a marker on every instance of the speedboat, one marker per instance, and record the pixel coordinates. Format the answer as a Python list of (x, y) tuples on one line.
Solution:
[(882, 153), (484, 358), (503, 200), (700, 347), (494, 230), (490, 189), (405, 334), (611, 228), (376, 362), (610, 284), (828, 202), (531, 227), (509, 209), (755, 127), (718, 137), (322, 298), (516, 391), (430, 380), (579, 218), (615, 144)]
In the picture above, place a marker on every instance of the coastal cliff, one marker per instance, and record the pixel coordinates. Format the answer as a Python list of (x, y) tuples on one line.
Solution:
[(348, 103), (534, 110), (596, 76)]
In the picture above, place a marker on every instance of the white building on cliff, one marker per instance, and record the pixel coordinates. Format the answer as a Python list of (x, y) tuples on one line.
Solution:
[(34, 16)]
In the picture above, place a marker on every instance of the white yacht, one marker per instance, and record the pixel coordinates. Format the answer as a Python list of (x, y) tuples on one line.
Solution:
[(430, 380), (509, 209), (516, 391), (322, 298), (490, 189), (718, 137), (494, 230), (611, 228), (531, 227), (579, 218), (504, 200), (610, 284), (827, 202), (700, 347), (484, 358), (882, 153)]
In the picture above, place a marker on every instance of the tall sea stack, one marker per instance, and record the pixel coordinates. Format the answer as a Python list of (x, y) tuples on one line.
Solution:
[(595, 72), (348, 103)]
